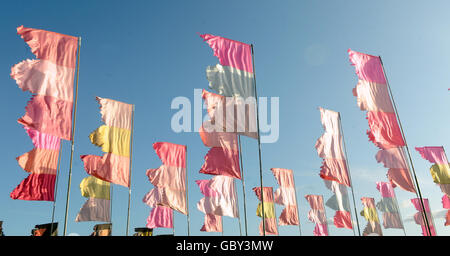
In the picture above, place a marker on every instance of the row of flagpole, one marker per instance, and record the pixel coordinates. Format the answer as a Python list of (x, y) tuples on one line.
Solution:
[(72, 140)]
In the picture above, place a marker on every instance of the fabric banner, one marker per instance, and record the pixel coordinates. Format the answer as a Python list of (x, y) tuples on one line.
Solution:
[(340, 203), (419, 217), (270, 220), (160, 217), (388, 205), (169, 180), (369, 212), (97, 207), (317, 215), (329, 147), (372, 95), (114, 139), (48, 115), (285, 195), (220, 196)]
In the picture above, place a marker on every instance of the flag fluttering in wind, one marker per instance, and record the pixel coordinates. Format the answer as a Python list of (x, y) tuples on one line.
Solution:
[(446, 205), (270, 219), (233, 79), (285, 195), (114, 139), (369, 212), (373, 96), (220, 200), (169, 181), (329, 147), (160, 217), (317, 215), (388, 205), (97, 207), (48, 116), (420, 220), (223, 155), (334, 170), (340, 203), (440, 172)]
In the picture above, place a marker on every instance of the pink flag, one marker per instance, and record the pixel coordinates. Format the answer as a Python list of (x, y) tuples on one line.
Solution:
[(285, 195), (160, 217), (169, 180), (388, 206), (420, 218), (42, 163), (329, 147), (435, 155), (230, 53), (367, 67), (220, 196), (213, 223), (370, 214), (95, 209), (317, 214), (373, 95)]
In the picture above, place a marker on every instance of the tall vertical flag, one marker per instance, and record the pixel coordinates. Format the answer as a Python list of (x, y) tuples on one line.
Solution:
[(285, 195), (334, 169), (440, 172), (317, 214), (48, 116), (268, 211), (169, 181), (369, 212), (420, 220), (388, 205), (114, 139), (372, 95), (235, 108)]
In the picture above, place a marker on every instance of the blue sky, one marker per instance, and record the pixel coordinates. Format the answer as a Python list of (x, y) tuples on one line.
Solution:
[(148, 52)]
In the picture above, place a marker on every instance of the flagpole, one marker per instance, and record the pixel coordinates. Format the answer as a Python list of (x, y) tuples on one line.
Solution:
[(349, 175), (73, 136), (187, 197), (259, 142), (243, 187), (129, 175), (237, 202), (56, 186), (296, 202), (110, 204), (407, 148)]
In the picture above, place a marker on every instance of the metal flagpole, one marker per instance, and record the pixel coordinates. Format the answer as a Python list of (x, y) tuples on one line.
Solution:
[(259, 143), (110, 204), (296, 202), (243, 187), (187, 197), (349, 175), (407, 148), (73, 136), (237, 202), (56, 186), (129, 176)]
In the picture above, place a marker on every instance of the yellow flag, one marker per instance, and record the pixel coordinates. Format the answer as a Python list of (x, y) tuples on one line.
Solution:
[(94, 187), (440, 173), (269, 210), (112, 140)]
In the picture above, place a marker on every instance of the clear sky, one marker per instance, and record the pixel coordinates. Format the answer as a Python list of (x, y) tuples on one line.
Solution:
[(148, 52)]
